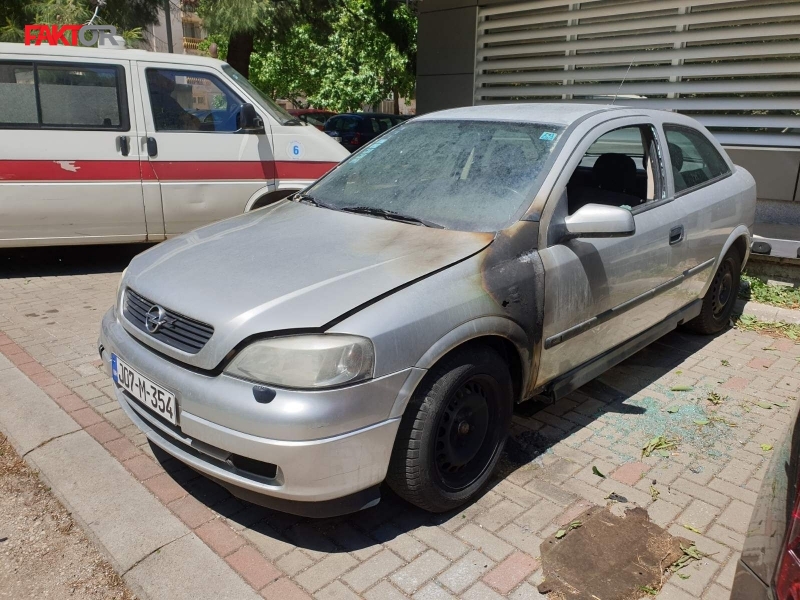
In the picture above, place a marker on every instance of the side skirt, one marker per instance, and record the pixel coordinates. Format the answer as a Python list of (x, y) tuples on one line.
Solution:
[(571, 381)]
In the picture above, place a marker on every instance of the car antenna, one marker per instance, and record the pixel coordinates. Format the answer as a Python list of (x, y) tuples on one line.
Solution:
[(623, 81)]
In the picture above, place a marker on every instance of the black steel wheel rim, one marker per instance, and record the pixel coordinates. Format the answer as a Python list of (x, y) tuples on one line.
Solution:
[(723, 292), (466, 433)]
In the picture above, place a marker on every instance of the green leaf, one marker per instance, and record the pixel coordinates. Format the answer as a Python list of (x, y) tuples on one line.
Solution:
[(673, 409), (690, 528), (597, 472), (681, 388), (766, 447), (648, 590), (664, 453), (780, 404), (725, 363), (561, 533), (682, 576), (764, 405), (701, 421)]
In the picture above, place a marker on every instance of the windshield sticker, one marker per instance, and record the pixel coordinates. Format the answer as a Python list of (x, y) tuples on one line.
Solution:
[(548, 136)]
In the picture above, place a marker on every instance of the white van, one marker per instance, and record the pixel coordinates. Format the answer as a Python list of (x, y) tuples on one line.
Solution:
[(105, 145)]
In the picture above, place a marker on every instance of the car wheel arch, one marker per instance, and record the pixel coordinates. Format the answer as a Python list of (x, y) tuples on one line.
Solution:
[(261, 199), (501, 334), (739, 239)]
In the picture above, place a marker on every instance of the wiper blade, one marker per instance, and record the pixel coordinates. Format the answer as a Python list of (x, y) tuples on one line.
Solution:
[(308, 199), (390, 215)]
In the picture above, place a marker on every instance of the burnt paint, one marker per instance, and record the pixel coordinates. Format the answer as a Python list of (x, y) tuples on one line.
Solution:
[(513, 275)]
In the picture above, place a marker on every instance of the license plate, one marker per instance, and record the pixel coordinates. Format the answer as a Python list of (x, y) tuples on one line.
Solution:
[(153, 396)]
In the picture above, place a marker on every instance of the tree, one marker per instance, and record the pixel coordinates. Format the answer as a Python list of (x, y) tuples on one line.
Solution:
[(129, 16), (338, 54)]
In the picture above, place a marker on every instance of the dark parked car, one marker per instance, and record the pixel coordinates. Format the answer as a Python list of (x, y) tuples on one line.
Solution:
[(312, 116), (769, 568), (356, 129)]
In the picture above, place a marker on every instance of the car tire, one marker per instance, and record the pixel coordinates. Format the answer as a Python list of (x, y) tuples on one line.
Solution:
[(720, 298), (453, 430)]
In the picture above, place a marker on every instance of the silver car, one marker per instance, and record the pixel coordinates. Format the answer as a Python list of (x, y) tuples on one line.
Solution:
[(382, 324)]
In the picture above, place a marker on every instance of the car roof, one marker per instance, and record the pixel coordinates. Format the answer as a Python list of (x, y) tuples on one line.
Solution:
[(561, 113), (367, 115), (84, 53)]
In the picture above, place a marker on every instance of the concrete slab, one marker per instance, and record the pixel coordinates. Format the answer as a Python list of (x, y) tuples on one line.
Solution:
[(187, 569), (115, 509), (28, 417)]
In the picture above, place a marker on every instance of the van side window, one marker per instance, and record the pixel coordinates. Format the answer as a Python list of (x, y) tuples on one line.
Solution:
[(694, 158), (191, 101), (82, 96), (63, 96), (17, 94)]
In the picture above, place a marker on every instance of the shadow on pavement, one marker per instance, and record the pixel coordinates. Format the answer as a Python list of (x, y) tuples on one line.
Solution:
[(271, 530), (67, 260)]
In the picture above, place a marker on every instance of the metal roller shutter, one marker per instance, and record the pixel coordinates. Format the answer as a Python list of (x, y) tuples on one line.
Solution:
[(733, 65)]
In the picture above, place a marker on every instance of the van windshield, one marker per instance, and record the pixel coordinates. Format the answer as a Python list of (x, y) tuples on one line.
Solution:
[(276, 111), (466, 175)]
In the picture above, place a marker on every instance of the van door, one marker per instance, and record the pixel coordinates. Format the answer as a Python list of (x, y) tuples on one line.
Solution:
[(207, 169), (69, 162)]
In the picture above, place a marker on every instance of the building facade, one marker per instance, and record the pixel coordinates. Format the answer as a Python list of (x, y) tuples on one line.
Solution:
[(732, 64)]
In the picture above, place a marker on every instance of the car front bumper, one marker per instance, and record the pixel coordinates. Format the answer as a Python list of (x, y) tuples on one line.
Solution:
[(330, 448)]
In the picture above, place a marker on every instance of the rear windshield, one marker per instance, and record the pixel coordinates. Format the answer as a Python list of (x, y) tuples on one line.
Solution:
[(464, 175)]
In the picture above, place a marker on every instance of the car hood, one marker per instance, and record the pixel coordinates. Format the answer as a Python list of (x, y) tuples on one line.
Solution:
[(287, 267)]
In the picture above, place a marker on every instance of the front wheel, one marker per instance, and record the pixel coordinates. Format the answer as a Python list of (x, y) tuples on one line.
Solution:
[(720, 298), (453, 430)]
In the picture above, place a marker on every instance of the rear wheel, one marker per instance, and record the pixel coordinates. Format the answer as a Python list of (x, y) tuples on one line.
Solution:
[(721, 296), (453, 431)]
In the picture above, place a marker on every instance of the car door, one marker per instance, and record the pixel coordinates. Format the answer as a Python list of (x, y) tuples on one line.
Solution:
[(69, 164), (707, 196), (597, 290), (207, 169)]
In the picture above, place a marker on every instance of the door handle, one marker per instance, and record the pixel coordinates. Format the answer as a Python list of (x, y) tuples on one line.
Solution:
[(124, 148), (675, 235), (152, 147)]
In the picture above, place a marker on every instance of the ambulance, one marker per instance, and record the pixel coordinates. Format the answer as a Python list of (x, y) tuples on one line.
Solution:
[(110, 145)]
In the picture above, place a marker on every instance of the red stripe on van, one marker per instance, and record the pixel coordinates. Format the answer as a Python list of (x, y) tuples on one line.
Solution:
[(69, 170), (162, 170)]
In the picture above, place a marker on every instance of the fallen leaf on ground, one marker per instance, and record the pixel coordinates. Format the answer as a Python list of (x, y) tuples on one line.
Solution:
[(681, 388), (701, 421), (766, 447), (660, 444), (597, 472), (691, 528)]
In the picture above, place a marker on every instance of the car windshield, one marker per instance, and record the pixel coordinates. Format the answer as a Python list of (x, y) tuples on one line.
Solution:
[(464, 175), (274, 110)]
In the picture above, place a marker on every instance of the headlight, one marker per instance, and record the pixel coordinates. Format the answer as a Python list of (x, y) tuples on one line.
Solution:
[(306, 361)]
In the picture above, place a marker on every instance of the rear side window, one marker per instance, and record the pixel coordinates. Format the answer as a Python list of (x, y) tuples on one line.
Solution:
[(63, 96), (695, 160), (17, 95)]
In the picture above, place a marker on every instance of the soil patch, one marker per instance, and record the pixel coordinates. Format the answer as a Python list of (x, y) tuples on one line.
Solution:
[(605, 557), (43, 553)]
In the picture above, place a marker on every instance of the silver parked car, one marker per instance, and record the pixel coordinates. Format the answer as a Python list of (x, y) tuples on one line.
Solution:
[(382, 324)]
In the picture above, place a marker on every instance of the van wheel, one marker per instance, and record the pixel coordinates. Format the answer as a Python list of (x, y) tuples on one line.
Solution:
[(453, 430), (720, 298)]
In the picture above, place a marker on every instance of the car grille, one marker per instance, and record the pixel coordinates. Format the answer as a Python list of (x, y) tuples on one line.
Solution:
[(179, 331)]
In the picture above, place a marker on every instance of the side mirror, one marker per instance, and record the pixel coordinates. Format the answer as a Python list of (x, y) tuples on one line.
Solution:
[(599, 220), (249, 121)]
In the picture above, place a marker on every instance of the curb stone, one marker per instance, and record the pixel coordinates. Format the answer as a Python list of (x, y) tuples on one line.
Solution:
[(155, 553)]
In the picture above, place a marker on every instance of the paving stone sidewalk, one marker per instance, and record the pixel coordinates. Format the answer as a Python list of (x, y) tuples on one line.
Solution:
[(490, 549)]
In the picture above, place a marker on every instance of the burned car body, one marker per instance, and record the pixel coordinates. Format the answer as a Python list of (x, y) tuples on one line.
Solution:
[(382, 323)]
